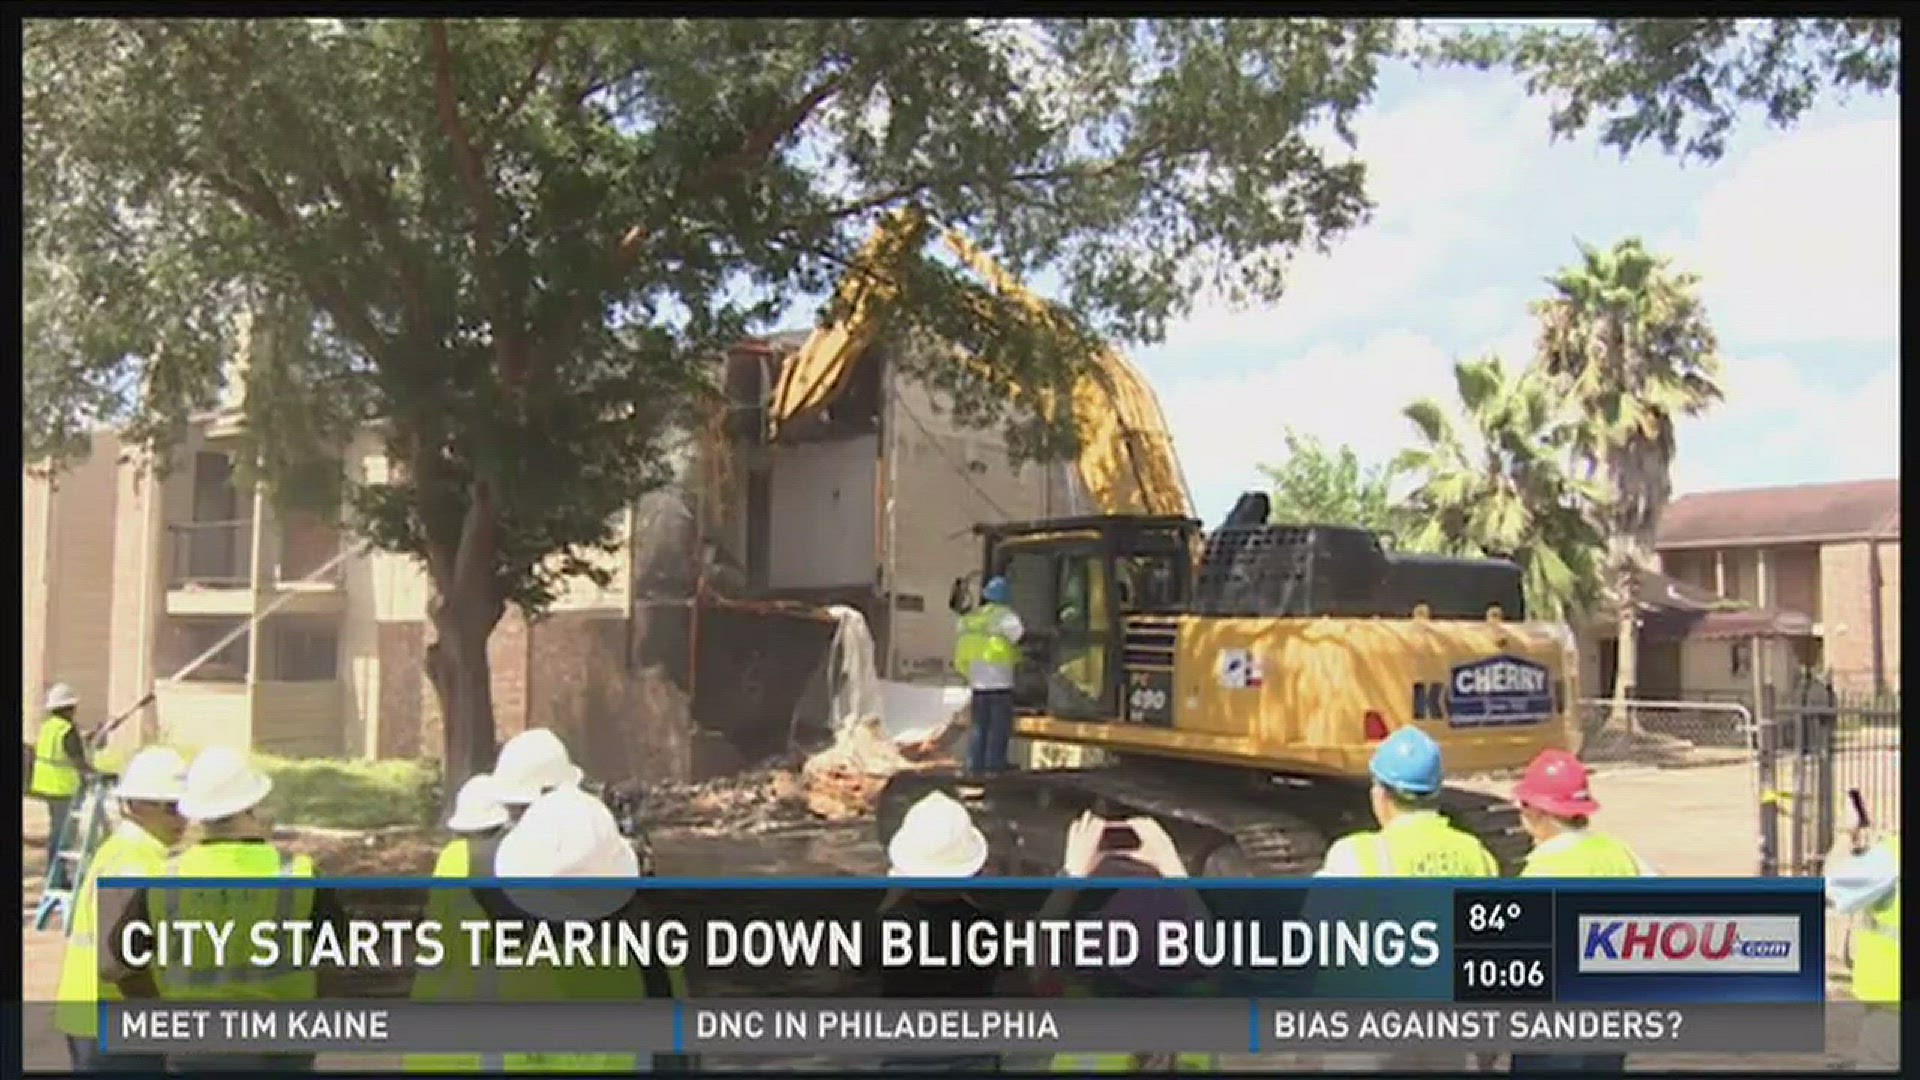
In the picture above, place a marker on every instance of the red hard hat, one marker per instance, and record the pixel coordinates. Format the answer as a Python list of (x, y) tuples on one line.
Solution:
[(1556, 783)]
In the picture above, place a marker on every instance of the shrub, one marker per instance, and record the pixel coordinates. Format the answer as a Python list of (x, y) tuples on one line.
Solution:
[(351, 794)]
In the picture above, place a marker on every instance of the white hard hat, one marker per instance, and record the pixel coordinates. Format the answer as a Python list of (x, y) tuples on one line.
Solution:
[(567, 833), (61, 696), (221, 784), (478, 806), (155, 774), (533, 762), (937, 839)]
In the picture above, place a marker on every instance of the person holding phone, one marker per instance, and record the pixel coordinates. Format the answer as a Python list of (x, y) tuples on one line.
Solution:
[(1137, 847)]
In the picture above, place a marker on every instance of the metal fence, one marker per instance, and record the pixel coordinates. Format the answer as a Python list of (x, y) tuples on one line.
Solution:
[(1666, 732), (1816, 757)]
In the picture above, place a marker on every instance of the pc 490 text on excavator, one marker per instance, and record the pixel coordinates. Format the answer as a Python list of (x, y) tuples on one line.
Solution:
[(1236, 683)]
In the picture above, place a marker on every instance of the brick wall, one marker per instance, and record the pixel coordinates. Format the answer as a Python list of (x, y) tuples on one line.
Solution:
[(1846, 610)]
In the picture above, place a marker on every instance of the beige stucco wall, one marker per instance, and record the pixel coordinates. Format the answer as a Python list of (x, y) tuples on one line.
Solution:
[(67, 553), (945, 480)]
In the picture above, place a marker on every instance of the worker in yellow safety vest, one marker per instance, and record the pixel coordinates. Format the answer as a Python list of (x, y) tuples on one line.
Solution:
[(565, 833), (1413, 841), (1556, 803), (478, 822), (60, 762), (986, 651), (223, 795), (149, 825), (1866, 886)]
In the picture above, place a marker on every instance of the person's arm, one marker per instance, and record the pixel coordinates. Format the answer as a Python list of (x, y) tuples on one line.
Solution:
[(1011, 627), (117, 910), (76, 751), (1342, 860), (1858, 883)]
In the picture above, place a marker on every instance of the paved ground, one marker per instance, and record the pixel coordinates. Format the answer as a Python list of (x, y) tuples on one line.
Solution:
[(1692, 822)]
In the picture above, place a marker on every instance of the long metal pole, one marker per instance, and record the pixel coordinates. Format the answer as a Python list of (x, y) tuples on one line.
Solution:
[(286, 597)]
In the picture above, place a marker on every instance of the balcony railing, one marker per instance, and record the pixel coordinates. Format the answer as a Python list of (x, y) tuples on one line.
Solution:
[(215, 554), (219, 554)]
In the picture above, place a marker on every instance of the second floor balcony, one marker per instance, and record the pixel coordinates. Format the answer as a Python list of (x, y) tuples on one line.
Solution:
[(211, 564)]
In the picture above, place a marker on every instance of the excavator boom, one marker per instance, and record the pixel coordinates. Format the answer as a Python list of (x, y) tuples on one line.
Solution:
[(1125, 463)]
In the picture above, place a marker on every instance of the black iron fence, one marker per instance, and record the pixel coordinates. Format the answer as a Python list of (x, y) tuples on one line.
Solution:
[(1823, 758)]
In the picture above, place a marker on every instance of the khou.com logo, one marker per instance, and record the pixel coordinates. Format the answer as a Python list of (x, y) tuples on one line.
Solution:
[(1681, 944)]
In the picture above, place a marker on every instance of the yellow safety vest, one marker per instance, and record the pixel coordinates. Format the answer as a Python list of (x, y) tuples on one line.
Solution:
[(454, 979), (488, 983), (1126, 1063), (1592, 855), (1423, 844), (237, 980), (130, 852), (54, 777), (1122, 1061), (979, 643), (1876, 947)]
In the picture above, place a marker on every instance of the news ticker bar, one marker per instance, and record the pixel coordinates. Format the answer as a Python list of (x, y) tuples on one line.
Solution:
[(1000, 1025)]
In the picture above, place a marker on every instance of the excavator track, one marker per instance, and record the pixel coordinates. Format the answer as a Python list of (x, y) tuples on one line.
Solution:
[(1226, 822)]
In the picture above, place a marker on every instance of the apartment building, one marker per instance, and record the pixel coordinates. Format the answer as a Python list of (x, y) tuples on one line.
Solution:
[(1762, 583), (700, 653)]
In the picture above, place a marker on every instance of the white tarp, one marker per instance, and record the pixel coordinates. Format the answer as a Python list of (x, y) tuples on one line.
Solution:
[(908, 712)]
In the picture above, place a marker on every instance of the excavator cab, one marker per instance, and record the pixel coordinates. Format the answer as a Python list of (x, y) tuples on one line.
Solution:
[(1073, 582)]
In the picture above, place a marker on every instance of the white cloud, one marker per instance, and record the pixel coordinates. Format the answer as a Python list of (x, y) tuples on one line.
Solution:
[(1225, 427), (1800, 242), (1435, 167), (1778, 427)]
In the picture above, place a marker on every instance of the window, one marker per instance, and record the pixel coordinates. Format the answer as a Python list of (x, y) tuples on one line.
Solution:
[(302, 650), (185, 640)]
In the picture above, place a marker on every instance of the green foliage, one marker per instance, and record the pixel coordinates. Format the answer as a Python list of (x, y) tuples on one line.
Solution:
[(351, 794), (513, 246), (1504, 489), (1319, 485), (1627, 340), (1681, 83)]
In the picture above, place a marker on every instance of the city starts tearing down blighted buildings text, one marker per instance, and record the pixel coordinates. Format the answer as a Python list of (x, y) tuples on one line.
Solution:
[(1088, 943)]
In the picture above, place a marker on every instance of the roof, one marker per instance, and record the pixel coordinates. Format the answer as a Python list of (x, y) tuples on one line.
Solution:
[(1673, 609), (1850, 510)]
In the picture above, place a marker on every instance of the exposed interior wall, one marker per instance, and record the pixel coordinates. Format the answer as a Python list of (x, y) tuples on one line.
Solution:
[(945, 480), (822, 513)]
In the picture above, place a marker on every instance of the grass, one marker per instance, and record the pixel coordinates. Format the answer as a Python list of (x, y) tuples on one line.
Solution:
[(351, 794)]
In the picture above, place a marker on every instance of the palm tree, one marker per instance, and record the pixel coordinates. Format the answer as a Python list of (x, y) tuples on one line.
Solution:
[(1506, 490), (1626, 340)]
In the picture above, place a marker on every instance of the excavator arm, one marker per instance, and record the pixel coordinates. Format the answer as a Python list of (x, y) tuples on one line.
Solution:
[(1126, 462)]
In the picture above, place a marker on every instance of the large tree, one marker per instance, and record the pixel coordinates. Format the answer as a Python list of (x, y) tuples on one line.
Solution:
[(1626, 339), (1318, 484), (508, 246), (1504, 488), (1681, 84)]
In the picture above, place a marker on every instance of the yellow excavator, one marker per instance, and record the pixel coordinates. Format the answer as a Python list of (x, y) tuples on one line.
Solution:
[(1237, 681)]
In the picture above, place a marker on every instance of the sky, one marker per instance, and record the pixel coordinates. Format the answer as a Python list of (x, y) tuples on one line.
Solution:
[(1794, 233)]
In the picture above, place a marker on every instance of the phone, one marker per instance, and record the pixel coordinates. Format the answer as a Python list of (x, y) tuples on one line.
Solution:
[(1119, 836)]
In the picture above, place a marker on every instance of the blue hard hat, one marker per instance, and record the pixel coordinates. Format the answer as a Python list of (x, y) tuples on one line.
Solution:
[(995, 590), (1409, 761)]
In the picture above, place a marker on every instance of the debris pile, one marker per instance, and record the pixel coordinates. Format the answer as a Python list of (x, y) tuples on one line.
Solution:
[(844, 780)]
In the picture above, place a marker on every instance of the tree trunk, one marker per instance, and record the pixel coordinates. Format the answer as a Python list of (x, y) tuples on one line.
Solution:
[(457, 665), (1626, 662)]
